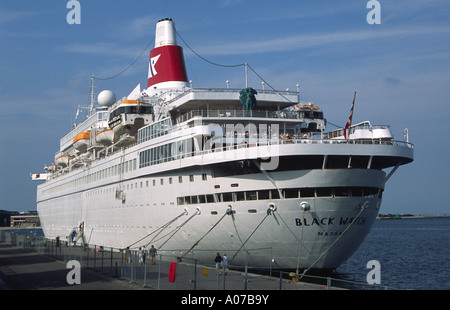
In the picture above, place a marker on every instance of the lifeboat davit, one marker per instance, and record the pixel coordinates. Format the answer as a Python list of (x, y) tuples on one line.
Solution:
[(81, 141), (63, 160), (104, 137)]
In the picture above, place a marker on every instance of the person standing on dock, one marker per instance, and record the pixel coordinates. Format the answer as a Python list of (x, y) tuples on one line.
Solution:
[(144, 253), (153, 254), (225, 263), (141, 256), (128, 255), (218, 261)]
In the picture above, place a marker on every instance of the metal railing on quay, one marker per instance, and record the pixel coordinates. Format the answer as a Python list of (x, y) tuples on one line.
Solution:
[(171, 272)]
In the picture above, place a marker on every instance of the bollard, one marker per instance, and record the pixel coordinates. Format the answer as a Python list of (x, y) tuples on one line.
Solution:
[(172, 272)]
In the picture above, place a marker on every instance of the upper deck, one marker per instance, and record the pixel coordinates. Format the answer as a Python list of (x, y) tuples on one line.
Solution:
[(205, 121), (363, 131), (227, 99)]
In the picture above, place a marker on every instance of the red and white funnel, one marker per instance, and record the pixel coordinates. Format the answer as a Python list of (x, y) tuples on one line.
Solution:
[(166, 66)]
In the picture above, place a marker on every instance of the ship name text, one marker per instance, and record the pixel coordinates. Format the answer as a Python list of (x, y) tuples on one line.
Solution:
[(327, 221)]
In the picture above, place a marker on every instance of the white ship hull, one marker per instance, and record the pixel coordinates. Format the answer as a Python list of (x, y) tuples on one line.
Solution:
[(148, 201)]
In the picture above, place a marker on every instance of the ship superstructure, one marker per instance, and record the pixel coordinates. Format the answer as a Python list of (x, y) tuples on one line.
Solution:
[(249, 172)]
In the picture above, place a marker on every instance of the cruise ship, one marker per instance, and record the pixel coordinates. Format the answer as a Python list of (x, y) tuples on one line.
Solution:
[(252, 173)]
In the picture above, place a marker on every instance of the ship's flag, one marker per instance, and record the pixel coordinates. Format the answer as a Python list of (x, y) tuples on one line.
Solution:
[(38, 176), (349, 122)]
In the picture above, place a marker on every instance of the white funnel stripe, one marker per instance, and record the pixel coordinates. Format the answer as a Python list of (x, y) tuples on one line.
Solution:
[(165, 33), (151, 68)]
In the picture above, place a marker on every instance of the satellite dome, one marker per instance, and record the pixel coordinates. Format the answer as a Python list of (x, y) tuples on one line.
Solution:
[(106, 98)]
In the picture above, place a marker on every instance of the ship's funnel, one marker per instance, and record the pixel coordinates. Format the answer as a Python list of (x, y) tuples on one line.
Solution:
[(166, 65)]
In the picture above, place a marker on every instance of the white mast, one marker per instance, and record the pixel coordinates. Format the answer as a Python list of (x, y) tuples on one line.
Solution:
[(91, 107)]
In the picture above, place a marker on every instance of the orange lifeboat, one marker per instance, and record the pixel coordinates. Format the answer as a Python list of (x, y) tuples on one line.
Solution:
[(51, 168), (81, 141), (127, 101), (104, 137), (63, 160)]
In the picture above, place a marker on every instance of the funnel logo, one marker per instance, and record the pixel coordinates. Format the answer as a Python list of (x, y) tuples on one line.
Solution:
[(151, 69), (166, 65)]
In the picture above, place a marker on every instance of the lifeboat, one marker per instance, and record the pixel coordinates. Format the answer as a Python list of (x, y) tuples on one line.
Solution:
[(104, 137), (81, 141), (307, 107), (63, 160), (127, 101), (51, 168)]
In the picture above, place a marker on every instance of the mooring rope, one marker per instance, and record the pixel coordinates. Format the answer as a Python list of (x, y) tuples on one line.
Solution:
[(174, 231), (228, 212), (335, 241), (269, 212), (161, 228), (237, 252)]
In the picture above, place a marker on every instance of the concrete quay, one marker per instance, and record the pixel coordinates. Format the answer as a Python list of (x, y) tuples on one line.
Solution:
[(23, 269)]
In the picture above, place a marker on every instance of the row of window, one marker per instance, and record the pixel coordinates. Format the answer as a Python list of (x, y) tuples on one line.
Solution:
[(147, 183), (115, 170), (186, 148), (290, 193), (154, 130), (165, 153)]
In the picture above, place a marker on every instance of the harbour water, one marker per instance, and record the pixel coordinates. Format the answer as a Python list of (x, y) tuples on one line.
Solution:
[(413, 254)]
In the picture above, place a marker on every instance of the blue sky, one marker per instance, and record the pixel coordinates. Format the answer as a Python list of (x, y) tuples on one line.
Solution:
[(399, 68)]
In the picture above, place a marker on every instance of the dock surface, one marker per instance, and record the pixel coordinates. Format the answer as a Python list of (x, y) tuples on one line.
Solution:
[(23, 269)]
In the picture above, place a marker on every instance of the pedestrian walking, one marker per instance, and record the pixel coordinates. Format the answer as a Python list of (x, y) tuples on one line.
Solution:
[(153, 254)]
